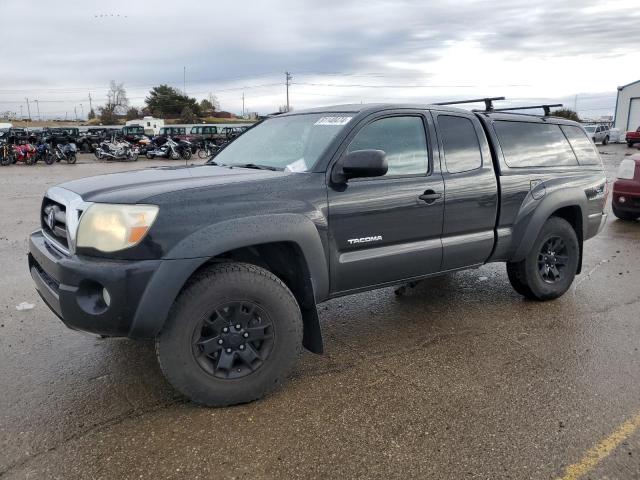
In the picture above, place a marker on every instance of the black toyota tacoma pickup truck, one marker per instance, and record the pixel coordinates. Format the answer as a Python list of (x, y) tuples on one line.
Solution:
[(223, 264)]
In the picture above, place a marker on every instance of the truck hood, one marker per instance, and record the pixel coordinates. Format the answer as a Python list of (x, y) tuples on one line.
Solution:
[(138, 185)]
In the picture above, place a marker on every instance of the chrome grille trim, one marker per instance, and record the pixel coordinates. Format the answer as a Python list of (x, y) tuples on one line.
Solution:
[(75, 208)]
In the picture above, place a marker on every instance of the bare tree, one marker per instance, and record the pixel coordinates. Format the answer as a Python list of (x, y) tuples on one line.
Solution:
[(117, 103)]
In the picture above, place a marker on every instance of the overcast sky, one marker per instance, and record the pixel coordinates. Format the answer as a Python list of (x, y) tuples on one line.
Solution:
[(337, 51)]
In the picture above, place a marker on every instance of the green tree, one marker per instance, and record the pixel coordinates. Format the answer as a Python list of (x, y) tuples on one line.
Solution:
[(91, 115), (206, 107), (168, 101), (132, 114), (566, 113)]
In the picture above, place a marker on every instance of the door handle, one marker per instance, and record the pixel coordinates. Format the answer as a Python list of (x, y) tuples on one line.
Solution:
[(430, 196)]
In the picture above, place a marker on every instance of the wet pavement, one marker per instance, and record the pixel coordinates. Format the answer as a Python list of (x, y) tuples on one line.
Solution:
[(458, 378)]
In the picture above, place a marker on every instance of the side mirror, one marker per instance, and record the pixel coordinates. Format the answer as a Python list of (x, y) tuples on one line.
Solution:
[(361, 164)]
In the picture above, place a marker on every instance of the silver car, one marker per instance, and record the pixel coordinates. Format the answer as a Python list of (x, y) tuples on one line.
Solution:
[(598, 133)]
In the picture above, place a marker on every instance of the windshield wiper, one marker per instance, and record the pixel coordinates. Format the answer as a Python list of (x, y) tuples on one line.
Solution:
[(253, 165)]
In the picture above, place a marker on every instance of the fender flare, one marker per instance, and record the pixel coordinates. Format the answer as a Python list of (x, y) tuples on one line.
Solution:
[(199, 247), (533, 215)]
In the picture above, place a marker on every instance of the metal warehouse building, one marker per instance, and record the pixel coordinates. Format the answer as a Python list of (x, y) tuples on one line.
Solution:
[(628, 107)]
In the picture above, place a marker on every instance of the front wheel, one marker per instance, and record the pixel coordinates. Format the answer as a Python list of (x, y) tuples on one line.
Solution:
[(605, 140), (551, 265), (186, 154), (203, 153), (71, 159), (233, 335)]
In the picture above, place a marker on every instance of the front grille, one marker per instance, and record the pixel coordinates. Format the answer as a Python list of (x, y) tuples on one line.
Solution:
[(54, 221), (46, 278)]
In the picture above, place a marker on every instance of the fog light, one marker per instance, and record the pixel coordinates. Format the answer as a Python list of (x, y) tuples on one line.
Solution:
[(106, 297), (621, 199)]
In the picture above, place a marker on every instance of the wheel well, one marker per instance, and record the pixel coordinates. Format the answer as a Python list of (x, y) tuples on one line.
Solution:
[(286, 261), (573, 215)]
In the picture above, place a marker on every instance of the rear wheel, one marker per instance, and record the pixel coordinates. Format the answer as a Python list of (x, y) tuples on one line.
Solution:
[(71, 159), (624, 215), (550, 267), (203, 153), (186, 154), (232, 336)]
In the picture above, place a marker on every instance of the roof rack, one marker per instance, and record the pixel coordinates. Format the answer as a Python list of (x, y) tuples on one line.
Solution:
[(546, 108), (488, 102)]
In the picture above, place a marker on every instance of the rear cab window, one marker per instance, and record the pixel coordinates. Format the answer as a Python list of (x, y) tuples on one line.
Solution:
[(460, 143), (529, 144)]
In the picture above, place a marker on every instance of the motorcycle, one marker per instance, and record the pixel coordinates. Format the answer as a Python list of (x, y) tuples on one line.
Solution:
[(66, 152), (171, 149), (24, 153), (208, 150), (6, 153), (116, 151), (43, 152)]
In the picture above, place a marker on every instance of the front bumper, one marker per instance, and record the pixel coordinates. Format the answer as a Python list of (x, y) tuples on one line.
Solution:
[(631, 203), (74, 287)]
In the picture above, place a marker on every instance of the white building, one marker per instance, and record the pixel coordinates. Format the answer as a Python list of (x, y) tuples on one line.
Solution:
[(628, 107), (151, 125)]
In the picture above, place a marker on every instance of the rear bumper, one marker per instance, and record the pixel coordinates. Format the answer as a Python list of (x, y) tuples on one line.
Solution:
[(107, 297)]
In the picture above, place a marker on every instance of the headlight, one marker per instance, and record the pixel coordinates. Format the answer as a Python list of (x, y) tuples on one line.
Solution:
[(109, 228)]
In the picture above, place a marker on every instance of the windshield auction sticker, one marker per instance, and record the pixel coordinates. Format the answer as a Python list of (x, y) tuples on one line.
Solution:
[(333, 121)]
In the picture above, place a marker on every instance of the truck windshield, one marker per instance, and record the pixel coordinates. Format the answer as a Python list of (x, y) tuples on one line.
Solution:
[(590, 129), (293, 143)]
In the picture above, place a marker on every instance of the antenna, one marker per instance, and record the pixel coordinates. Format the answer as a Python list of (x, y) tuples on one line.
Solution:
[(488, 102), (546, 108)]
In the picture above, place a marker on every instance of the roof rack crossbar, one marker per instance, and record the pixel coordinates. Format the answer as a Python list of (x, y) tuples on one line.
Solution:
[(488, 102), (546, 108)]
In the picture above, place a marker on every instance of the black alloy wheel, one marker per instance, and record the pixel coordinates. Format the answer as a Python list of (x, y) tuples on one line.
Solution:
[(553, 259), (234, 340)]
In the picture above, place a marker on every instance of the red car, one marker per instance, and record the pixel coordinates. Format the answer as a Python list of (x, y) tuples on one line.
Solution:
[(633, 137), (626, 189)]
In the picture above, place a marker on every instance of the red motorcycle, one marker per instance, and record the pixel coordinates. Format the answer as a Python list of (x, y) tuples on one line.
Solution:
[(25, 153)]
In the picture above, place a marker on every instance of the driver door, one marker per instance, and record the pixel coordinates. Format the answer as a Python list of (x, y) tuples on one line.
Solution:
[(387, 229)]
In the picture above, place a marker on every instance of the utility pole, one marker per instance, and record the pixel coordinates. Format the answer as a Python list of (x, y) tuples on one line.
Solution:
[(21, 115), (242, 104), (575, 104), (28, 108), (90, 105), (184, 80), (288, 78), (38, 107), (75, 112), (81, 111)]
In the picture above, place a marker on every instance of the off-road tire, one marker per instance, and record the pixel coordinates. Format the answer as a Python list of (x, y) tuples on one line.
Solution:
[(214, 286), (628, 216), (525, 275)]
